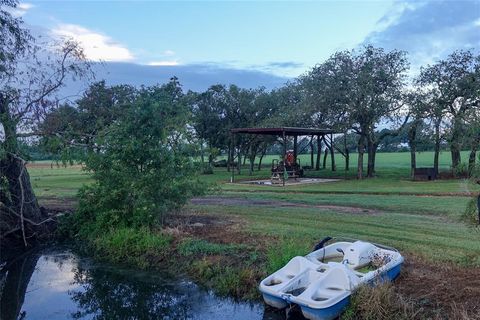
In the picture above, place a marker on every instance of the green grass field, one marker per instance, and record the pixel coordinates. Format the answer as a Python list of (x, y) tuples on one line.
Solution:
[(421, 218)]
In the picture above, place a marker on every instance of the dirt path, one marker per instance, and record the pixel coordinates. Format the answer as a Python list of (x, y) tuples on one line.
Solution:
[(234, 201), (374, 193)]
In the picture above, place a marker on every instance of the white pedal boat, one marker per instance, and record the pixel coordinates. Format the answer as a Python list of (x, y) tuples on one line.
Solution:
[(321, 282)]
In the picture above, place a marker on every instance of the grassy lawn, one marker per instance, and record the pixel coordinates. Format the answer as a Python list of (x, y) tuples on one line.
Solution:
[(430, 237), (250, 230), (421, 218)]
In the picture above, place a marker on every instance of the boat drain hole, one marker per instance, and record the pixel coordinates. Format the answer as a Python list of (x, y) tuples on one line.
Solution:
[(319, 298), (273, 282), (334, 289), (297, 291)]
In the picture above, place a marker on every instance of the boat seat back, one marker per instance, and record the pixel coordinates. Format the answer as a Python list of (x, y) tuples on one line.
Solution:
[(359, 254)]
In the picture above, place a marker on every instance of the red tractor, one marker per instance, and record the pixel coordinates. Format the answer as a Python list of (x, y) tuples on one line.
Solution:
[(287, 168)]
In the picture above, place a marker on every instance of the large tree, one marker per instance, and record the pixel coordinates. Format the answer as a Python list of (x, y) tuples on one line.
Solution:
[(361, 89), (454, 84), (30, 75)]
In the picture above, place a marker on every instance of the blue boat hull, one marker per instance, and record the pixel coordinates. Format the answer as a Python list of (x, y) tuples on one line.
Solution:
[(326, 313), (335, 310)]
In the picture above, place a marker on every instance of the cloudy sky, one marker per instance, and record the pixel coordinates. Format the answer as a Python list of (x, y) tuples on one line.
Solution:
[(245, 42)]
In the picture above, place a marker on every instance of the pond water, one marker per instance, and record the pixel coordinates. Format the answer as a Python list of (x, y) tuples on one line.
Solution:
[(59, 284)]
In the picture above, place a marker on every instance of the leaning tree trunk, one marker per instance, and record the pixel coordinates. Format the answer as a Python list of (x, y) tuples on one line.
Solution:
[(15, 284), (325, 155), (20, 215), (264, 151)]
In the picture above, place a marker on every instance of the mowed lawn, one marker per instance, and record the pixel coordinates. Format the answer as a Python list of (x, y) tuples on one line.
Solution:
[(419, 218)]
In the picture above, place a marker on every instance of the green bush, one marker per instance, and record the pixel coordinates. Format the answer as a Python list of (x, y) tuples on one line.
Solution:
[(470, 215), (141, 165), (132, 246)]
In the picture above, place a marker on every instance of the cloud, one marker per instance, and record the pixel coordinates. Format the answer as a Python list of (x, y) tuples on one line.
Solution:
[(168, 53), (164, 63), (285, 64), (97, 46), (429, 30), (196, 77), (25, 6), (21, 9)]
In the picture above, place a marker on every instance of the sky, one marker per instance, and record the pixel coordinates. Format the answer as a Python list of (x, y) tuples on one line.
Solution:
[(261, 43)]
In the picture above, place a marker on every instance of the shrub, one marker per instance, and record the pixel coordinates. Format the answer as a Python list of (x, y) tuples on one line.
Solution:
[(141, 166), (470, 215), (133, 246)]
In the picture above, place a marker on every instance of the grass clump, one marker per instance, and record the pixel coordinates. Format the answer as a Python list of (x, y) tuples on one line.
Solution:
[(380, 302), (236, 281), (192, 246), (280, 253), (132, 246), (470, 214)]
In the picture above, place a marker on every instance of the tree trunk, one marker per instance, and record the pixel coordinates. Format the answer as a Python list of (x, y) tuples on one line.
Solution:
[(14, 288), (333, 156), (371, 157), (436, 151), (20, 213), (347, 160), (347, 153), (229, 158), (361, 149), (261, 158), (252, 164), (455, 146), (412, 142), (473, 154), (311, 152), (324, 165), (319, 153), (202, 153), (239, 161)]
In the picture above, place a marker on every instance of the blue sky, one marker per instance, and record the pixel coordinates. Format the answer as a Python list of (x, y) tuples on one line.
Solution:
[(276, 39)]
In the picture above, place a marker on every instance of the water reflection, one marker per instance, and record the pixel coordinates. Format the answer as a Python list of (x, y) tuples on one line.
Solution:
[(59, 284)]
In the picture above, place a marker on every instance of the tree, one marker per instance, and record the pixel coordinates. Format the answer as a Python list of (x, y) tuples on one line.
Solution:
[(144, 169), (28, 83), (453, 83), (362, 89), (70, 130)]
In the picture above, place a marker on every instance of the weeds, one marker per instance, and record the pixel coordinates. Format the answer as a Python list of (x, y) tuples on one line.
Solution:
[(380, 302), (280, 253), (192, 246), (133, 246)]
